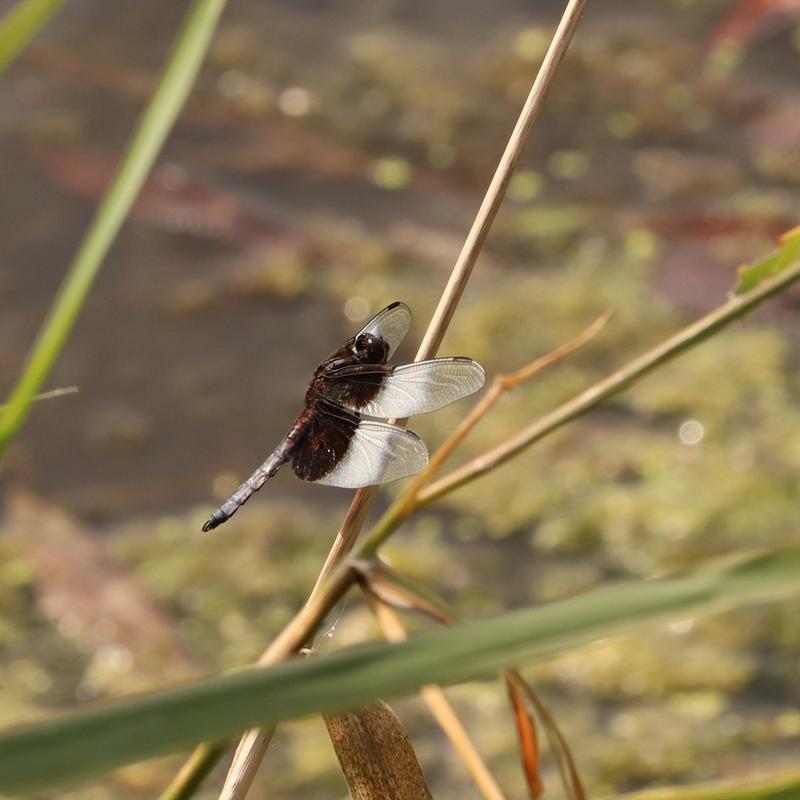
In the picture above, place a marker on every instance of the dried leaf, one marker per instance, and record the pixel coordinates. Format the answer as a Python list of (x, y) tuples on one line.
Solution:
[(376, 755), (570, 779), (528, 738), (444, 713), (391, 588), (395, 591)]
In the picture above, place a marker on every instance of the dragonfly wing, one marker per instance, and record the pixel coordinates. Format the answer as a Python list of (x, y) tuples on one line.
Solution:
[(355, 453), (424, 386), (391, 324), (356, 386)]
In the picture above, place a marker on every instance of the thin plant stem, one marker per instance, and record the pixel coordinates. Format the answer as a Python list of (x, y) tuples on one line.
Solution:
[(182, 67), (52, 394), (310, 616), (249, 753), (407, 502), (578, 406), (497, 188), (467, 258), (194, 771), (443, 711), (348, 533)]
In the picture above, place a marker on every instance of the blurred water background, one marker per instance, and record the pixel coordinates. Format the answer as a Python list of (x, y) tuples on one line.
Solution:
[(329, 161)]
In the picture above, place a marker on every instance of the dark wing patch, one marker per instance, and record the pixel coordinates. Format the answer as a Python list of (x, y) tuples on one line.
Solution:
[(342, 450), (324, 445), (406, 390), (378, 453), (355, 389)]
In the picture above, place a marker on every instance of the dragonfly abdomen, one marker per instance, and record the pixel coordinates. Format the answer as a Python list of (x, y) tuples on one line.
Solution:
[(282, 453)]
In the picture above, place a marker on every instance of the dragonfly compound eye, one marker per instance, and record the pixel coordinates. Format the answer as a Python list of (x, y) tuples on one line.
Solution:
[(372, 349)]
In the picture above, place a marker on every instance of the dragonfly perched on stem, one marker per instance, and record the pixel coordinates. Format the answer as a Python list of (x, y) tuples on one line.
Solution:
[(332, 443)]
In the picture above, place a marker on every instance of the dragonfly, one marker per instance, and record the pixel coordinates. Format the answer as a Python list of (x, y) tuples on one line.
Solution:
[(338, 439)]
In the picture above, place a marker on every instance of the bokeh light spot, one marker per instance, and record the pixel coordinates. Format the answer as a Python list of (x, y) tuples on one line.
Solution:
[(356, 309), (691, 432)]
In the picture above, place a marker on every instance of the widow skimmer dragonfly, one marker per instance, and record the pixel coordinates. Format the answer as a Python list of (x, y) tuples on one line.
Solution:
[(331, 443)]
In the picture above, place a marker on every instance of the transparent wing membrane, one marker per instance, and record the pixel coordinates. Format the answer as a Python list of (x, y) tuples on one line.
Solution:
[(392, 324), (377, 453), (425, 386)]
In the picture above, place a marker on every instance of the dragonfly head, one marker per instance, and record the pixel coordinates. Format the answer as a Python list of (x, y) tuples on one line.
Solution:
[(371, 349)]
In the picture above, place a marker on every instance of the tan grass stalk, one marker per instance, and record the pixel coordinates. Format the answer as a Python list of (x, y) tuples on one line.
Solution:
[(303, 625), (615, 383), (473, 244), (443, 712), (408, 502), (448, 303)]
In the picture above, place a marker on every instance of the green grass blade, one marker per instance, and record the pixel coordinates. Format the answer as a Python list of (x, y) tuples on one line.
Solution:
[(20, 25), (155, 123), (784, 785), (105, 737)]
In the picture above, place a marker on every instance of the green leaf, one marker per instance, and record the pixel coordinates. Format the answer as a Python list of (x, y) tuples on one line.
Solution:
[(783, 785), (155, 123), (20, 25), (750, 275), (104, 737)]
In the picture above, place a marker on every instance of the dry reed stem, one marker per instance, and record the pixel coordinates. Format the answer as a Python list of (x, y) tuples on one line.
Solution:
[(348, 533), (473, 244), (52, 394), (610, 386), (407, 503), (309, 618), (442, 711), (393, 629), (346, 538), (255, 741), (497, 188)]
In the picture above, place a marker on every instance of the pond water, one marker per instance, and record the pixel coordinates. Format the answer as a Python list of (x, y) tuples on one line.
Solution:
[(329, 161)]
